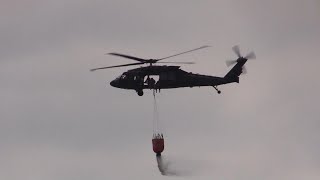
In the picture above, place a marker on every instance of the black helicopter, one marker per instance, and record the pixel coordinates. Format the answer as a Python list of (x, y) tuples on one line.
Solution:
[(172, 76)]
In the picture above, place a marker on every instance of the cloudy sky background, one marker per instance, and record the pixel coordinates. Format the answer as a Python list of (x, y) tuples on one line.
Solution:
[(60, 121)]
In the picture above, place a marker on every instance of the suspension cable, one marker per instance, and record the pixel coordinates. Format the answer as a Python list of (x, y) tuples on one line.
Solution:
[(156, 127)]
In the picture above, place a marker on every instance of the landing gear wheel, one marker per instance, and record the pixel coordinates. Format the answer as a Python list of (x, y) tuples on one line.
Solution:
[(218, 91), (140, 92)]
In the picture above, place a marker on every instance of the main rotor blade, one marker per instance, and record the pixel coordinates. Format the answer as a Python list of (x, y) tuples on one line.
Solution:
[(178, 62), (236, 50), (251, 55), (128, 57), (183, 53), (131, 64)]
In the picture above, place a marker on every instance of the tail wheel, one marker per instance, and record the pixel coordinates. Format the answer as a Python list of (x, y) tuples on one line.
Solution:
[(216, 88)]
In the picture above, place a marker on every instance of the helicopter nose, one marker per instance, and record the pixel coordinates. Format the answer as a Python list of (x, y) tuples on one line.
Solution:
[(113, 83)]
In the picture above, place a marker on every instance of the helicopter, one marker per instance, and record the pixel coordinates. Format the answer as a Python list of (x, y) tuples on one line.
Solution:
[(171, 77)]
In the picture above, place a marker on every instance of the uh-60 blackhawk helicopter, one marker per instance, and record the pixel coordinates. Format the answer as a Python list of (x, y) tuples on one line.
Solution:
[(172, 76)]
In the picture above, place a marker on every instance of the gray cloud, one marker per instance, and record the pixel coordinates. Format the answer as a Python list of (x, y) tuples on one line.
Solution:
[(59, 121)]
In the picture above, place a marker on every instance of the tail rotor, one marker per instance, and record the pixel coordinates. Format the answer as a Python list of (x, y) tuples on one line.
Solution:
[(249, 56)]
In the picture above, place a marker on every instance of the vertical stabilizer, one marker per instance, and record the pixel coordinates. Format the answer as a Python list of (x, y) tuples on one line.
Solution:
[(236, 71)]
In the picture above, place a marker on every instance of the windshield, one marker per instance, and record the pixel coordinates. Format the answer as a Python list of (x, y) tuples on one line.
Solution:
[(123, 76), (119, 77)]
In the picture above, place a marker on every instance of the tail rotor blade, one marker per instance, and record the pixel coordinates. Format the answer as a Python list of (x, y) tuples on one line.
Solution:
[(251, 55), (240, 59), (236, 50), (244, 70), (230, 62)]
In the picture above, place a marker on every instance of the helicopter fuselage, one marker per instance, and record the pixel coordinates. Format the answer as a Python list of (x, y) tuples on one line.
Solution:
[(169, 77)]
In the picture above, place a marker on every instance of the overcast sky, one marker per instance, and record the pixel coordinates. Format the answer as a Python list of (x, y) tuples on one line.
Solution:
[(60, 121)]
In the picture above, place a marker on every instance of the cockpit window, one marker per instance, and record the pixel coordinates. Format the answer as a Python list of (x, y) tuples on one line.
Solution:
[(123, 76)]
